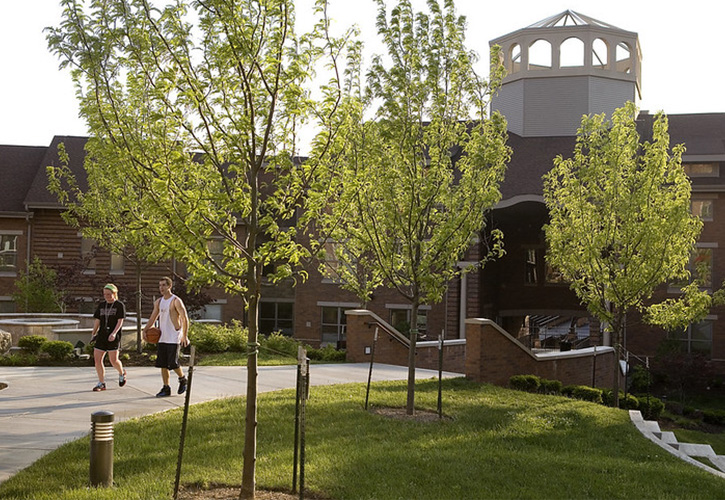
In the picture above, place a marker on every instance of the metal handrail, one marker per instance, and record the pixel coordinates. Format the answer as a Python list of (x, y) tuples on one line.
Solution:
[(395, 334)]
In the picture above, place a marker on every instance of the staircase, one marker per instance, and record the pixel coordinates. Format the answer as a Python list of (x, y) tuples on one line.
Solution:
[(685, 451)]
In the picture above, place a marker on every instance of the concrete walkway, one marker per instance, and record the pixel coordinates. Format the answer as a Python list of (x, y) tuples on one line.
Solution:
[(44, 407)]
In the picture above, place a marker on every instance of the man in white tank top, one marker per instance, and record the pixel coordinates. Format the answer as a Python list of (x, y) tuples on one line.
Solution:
[(174, 325)]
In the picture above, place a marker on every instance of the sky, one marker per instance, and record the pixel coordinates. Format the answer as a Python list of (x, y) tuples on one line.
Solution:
[(681, 44)]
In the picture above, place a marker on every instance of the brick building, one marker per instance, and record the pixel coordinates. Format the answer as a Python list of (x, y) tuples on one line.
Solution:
[(558, 70)]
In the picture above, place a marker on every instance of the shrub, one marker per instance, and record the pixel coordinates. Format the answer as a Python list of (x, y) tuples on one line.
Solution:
[(280, 344), (550, 386), (19, 360), (630, 402), (650, 406), (583, 392), (218, 338), (58, 350), (528, 383), (640, 379), (715, 417), (32, 343), (327, 353)]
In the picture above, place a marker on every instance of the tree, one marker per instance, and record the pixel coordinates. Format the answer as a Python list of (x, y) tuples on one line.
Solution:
[(199, 103), (620, 217), (37, 290), (414, 182)]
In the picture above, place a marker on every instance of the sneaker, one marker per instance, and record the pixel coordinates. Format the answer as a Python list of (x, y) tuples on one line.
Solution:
[(165, 391), (182, 385), (99, 387), (122, 379)]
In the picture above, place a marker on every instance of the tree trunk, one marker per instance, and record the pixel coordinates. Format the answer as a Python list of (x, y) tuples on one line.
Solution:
[(250, 427), (139, 348), (616, 344), (410, 405)]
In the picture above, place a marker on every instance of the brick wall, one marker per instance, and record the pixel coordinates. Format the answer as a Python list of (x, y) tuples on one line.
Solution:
[(493, 356), (392, 349)]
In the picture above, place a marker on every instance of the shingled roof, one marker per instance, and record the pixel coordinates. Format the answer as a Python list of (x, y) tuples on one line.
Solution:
[(18, 168), (38, 195)]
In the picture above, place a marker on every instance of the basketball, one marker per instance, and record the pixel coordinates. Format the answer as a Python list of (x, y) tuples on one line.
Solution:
[(153, 335)]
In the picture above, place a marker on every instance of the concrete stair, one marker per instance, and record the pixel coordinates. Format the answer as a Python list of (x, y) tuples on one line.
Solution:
[(686, 451)]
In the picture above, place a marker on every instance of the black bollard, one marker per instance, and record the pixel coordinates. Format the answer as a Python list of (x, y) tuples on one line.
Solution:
[(102, 448)]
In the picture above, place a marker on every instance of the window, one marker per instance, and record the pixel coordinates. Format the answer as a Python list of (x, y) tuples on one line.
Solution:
[(88, 254), (540, 55), (117, 263), (7, 306), (600, 54), (331, 263), (515, 58), (553, 275), (702, 209), (571, 53), (334, 323), (531, 274), (624, 58), (216, 250), (8, 253), (702, 169), (700, 267), (212, 311), (696, 338), (276, 317), (400, 320)]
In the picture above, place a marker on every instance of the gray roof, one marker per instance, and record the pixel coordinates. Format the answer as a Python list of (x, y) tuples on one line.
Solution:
[(18, 167), (38, 195)]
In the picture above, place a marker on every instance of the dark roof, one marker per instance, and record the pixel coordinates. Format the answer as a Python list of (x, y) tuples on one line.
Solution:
[(531, 158), (18, 167), (38, 194), (702, 134)]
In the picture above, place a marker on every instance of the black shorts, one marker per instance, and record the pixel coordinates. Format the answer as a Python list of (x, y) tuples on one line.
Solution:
[(102, 343), (167, 356)]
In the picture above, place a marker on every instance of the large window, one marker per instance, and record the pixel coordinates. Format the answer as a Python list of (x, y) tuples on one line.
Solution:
[(8, 253), (334, 323), (700, 267), (702, 169), (88, 254), (276, 317), (703, 209), (400, 320), (7, 305), (696, 338), (117, 263)]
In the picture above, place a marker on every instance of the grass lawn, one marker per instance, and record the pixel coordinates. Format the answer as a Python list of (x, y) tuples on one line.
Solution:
[(493, 443)]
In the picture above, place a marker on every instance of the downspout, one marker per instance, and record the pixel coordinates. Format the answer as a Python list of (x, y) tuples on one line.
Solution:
[(28, 216)]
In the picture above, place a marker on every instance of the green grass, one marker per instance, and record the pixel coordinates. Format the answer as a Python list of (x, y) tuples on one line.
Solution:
[(495, 443), (240, 359)]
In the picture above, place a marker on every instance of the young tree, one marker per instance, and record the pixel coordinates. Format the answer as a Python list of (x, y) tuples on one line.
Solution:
[(199, 104), (414, 182), (620, 217), (36, 290)]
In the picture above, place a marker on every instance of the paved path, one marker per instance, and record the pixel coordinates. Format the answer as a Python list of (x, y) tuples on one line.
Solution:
[(44, 407)]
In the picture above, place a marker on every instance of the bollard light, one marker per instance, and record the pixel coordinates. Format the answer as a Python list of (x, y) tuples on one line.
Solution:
[(102, 448)]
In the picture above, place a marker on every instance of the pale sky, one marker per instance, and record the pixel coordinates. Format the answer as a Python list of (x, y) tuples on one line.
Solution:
[(682, 47)]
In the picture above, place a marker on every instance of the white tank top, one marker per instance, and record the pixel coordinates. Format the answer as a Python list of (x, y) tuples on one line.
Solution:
[(169, 333)]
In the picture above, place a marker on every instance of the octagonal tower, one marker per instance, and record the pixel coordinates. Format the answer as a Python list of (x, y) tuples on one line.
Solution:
[(563, 67)]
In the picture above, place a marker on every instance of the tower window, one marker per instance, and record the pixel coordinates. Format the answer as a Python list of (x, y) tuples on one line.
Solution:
[(540, 55), (600, 54), (571, 53)]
